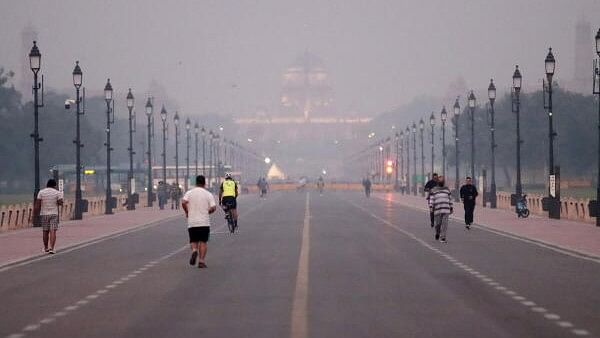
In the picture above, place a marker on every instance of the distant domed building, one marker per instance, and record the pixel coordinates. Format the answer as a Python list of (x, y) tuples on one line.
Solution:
[(306, 90)]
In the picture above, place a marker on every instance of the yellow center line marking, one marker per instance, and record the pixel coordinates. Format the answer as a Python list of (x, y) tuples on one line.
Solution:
[(300, 305)]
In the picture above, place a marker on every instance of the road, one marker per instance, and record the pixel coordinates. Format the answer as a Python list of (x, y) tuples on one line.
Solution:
[(305, 265)]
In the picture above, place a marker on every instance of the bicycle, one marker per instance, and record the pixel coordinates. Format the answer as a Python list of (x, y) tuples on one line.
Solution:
[(231, 224)]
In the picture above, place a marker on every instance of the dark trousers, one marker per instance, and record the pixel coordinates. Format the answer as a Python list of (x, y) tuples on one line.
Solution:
[(469, 209), (432, 218)]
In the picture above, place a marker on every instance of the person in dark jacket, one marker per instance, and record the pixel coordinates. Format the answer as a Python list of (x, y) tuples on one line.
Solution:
[(468, 195), (433, 182)]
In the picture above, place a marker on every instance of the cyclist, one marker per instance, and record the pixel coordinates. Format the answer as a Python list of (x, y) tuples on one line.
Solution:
[(228, 197), (320, 185)]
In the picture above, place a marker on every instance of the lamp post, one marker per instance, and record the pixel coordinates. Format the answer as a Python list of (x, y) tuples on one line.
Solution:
[(380, 162), (397, 162), (149, 111), (77, 82), (130, 179), (444, 117), (108, 97), (196, 132), (422, 131), (516, 107), (217, 158), (492, 98), (408, 178), (210, 158), (176, 123), (35, 63), (456, 149), (432, 124), (472, 102), (203, 132), (401, 164), (553, 190), (188, 126), (163, 117), (414, 131), (596, 91)]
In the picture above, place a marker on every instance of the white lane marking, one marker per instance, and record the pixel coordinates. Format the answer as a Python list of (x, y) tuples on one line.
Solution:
[(299, 327), (522, 300), (546, 245), (87, 299)]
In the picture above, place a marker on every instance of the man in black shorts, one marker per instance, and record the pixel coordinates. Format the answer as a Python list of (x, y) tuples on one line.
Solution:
[(198, 203)]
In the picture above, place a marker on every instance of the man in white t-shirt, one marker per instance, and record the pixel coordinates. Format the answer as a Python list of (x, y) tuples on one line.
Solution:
[(198, 203), (45, 211)]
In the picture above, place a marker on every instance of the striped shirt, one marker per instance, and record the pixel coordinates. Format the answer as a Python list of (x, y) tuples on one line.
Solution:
[(440, 200)]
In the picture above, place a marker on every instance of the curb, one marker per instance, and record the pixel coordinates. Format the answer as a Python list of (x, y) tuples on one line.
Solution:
[(41, 256), (552, 246)]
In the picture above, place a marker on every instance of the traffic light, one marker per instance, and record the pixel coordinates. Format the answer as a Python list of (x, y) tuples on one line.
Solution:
[(389, 168)]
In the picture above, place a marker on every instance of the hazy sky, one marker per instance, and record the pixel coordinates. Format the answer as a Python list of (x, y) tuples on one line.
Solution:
[(380, 53)]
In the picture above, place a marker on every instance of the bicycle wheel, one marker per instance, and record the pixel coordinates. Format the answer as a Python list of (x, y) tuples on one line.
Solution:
[(230, 224)]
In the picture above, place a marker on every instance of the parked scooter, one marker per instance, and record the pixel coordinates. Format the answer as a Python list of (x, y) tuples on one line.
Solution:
[(522, 209)]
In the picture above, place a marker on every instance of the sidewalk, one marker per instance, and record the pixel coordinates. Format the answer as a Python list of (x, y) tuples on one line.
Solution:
[(571, 236), (20, 245)]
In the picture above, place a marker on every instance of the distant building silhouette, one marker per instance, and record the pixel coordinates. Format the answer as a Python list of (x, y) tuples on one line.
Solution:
[(584, 54)]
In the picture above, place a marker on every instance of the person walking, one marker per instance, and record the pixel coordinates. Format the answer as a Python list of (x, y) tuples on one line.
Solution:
[(162, 195), (433, 182), (45, 211), (198, 203), (468, 195), (440, 201), (367, 185)]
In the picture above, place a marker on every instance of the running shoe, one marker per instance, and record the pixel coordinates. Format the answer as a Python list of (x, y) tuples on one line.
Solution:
[(193, 258)]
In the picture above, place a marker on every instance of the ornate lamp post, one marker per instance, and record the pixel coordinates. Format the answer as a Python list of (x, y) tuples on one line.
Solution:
[(176, 123), (163, 117), (397, 162), (77, 82), (492, 98), (401, 164), (203, 132), (35, 63), (596, 91), (414, 132), (188, 126), (210, 158), (553, 189), (130, 179), (472, 101), (149, 111), (408, 178), (444, 117), (456, 148), (432, 124), (108, 97), (516, 107), (196, 132)]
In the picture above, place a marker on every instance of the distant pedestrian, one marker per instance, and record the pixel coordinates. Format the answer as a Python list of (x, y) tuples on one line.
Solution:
[(45, 213), (440, 201), (367, 186), (468, 195), (198, 203), (428, 186), (162, 194)]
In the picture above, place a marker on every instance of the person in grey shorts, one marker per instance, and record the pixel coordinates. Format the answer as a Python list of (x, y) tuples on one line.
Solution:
[(46, 213), (440, 201)]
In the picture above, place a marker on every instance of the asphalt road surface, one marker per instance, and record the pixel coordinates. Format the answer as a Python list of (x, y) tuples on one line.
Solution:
[(305, 265)]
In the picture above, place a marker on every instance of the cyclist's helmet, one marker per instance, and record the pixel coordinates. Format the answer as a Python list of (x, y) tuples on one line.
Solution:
[(227, 175)]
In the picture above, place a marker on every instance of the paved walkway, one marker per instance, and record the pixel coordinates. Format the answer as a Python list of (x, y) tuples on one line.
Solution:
[(581, 238), (25, 244)]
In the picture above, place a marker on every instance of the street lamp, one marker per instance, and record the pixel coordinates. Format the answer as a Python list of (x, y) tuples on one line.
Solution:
[(196, 132), (176, 123), (163, 117), (456, 149), (596, 91), (553, 190), (188, 126), (210, 158), (472, 102), (35, 63), (422, 129), (414, 132), (77, 82), (401, 164), (492, 98), (444, 117), (149, 111), (130, 179), (432, 124), (516, 107), (408, 178), (396, 182), (203, 132), (108, 97)]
